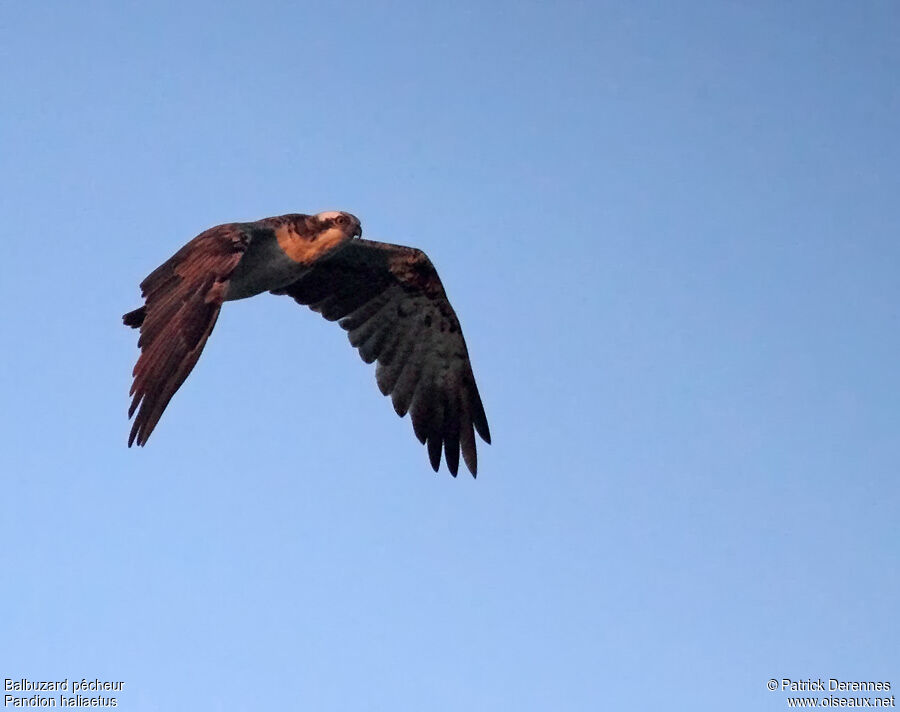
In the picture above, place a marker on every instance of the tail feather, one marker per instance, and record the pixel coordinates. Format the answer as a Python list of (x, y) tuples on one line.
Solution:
[(135, 318)]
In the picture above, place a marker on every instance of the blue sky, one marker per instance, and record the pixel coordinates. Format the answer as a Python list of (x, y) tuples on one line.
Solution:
[(670, 231)]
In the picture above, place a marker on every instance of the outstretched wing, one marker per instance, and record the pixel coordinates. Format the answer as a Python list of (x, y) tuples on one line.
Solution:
[(391, 301), (183, 298)]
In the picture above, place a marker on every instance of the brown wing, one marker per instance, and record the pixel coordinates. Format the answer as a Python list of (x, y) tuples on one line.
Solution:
[(183, 298), (392, 303)]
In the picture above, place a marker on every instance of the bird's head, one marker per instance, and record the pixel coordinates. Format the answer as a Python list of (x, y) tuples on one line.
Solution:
[(307, 238), (336, 224)]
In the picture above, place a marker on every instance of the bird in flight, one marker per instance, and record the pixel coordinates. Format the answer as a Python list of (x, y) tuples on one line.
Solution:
[(388, 298)]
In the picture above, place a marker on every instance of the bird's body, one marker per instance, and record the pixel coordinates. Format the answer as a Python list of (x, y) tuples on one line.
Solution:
[(263, 267), (388, 297), (279, 252)]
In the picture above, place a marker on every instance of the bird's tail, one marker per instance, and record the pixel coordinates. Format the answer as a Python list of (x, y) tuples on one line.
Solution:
[(135, 318)]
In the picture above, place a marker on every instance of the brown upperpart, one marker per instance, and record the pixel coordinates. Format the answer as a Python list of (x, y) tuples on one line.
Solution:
[(307, 249)]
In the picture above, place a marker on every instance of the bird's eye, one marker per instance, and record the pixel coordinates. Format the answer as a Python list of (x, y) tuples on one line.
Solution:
[(341, 219)]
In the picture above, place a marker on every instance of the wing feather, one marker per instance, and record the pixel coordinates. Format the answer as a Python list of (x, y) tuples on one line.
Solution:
[(410, 373), (391, 302), (183, 297)]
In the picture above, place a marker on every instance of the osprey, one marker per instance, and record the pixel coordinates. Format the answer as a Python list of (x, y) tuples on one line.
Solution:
[(387, 297)]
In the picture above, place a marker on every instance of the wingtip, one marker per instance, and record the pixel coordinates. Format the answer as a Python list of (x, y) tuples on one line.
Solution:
[(471, 464), (434, 453), (451, 454), (481, 425)]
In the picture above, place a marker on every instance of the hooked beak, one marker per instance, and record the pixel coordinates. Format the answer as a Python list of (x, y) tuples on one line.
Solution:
[(358, 231)]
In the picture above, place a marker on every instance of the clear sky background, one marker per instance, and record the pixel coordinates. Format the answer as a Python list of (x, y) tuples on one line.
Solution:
[(670, 231)]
